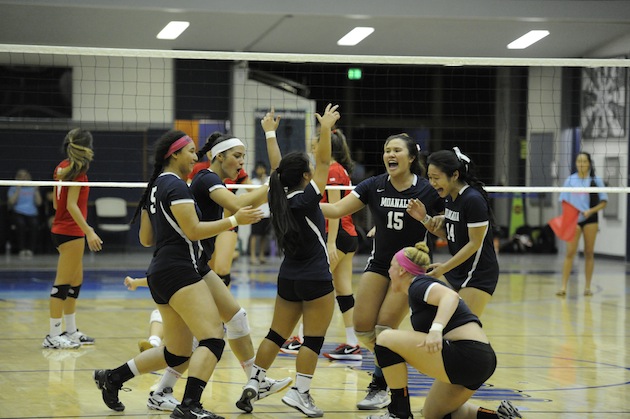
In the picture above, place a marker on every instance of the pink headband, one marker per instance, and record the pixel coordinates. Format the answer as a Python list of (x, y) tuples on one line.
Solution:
[(178, 145), (407, 264)]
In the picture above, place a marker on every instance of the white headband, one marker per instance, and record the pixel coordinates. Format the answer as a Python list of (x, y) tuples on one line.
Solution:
[(225, 145)]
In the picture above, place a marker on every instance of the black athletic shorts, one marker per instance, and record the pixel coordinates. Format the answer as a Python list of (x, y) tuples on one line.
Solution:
[(303, 289), (593, 219), (165, 283), (346, 243), (59, 239), (262, 227), (468, 363), (378, 267)]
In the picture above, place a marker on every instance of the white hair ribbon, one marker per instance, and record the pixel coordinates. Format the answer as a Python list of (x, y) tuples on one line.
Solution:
[(461, 157)]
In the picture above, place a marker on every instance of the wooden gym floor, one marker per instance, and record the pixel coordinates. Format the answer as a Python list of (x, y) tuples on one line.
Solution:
[(558, 357)]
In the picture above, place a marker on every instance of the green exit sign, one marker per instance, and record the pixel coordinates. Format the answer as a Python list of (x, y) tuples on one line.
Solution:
[(354, 74)]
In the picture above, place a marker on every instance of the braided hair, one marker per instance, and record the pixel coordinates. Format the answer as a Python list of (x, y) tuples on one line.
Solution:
[(161, 148), (286, 177)]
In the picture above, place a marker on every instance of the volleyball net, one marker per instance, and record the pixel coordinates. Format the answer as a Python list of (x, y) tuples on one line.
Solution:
[(522, 121)]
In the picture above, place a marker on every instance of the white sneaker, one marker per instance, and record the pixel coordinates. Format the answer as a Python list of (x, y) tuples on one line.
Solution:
[(162, 400), (387, 415), (302, 402), (375, 399), (59, 342), (507, 410), (270, 386), (79, 337), (250, 392)]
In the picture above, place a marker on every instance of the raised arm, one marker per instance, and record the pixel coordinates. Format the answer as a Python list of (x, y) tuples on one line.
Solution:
[(270, 124), (322, 157)]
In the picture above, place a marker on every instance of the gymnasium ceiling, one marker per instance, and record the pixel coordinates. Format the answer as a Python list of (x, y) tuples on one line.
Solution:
[(468, 28)]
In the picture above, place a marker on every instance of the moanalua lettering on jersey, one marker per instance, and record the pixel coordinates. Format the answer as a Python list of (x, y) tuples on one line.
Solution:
[(451, 215), (394, 202)]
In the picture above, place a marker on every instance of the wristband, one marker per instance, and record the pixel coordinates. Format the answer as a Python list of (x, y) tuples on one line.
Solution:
[(436, 327), (426, 219), (233, 220), (270, 134)]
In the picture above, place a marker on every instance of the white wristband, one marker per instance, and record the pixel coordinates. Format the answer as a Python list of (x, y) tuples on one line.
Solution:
[(426, 219), (270, 134), (233, 221), (436, 327)]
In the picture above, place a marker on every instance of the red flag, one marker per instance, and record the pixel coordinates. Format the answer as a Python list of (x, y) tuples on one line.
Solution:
[(564, 225)]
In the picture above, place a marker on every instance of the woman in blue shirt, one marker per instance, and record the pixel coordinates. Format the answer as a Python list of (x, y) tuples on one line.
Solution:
[(587, 221), (24, 202)]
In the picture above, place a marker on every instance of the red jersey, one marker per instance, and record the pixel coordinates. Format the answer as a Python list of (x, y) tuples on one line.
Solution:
[(197, 167), (64, 223), (337, 175), (240, 178)]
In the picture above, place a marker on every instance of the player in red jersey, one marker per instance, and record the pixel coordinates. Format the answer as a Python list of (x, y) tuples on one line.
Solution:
[(70, 230)]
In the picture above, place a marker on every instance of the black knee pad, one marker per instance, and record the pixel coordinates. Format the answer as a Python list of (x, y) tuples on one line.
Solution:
[(314, 343), (275, 338), (60, 291), (227, 278), (74, 292), (346, 302), (215, 345), (386, 357), (173, 360), (448, 416)]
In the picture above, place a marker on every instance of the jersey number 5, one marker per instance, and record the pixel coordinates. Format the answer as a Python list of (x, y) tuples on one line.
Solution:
[(152, 207)]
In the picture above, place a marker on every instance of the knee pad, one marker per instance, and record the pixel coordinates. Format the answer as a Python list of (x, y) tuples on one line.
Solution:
[(378, 329), (346, 302), (386, 357), (314, 343), (238, 326), (155, 316), (227, 278), (173, 360), (73, 292), (367, 339), (275, 338), (215, 345), (60, 291)]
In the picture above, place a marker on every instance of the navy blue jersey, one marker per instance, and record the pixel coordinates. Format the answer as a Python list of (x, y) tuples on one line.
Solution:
[(395, 228), (172, 247), (311, 261), (423, 313), (203, 184), (470, 209)]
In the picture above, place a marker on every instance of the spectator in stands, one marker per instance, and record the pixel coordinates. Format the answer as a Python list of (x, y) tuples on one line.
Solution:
[(24, 203)]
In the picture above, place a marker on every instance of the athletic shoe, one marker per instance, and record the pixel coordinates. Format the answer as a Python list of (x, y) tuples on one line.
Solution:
[(507, 410), (109, 392), (192, 410), (345, 352), (78, 337), (59, 342), (377, 398), (250, 392), (302, 402), (162, 400), (291, 346), (144, 344), (388, 415), (270, 386)]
